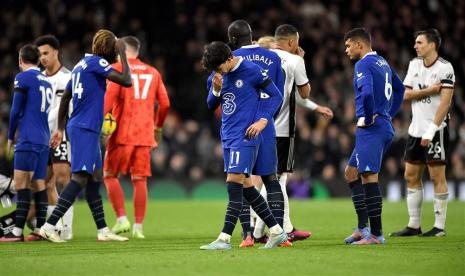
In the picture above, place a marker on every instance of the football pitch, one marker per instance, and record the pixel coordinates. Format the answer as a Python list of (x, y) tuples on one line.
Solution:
[(175, 229)]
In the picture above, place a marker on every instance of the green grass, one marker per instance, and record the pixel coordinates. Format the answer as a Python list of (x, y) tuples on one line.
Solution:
[(176, 229)]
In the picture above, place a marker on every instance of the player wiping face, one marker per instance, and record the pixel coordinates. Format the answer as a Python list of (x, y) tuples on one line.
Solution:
[(232, 65)]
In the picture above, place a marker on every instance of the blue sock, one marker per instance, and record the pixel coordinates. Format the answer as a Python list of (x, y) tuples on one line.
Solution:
[(244, 217), (65, 200), (260, 206), (94, 200), (41, 203), (374, 203), (23, 203), (358, 198), (234, 207), (275, 200)]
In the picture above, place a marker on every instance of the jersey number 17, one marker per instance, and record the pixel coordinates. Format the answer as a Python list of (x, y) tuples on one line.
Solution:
[(136, 85)]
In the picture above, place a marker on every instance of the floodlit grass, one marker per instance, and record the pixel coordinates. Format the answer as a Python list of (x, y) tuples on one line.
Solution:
[(176, 229)]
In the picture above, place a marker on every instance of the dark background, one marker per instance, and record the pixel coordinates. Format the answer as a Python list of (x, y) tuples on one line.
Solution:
[(173, 34)]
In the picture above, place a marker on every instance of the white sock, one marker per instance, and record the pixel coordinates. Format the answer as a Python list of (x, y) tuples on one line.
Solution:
[(287, 224), (224, 237), (103, 230), (48, 226), (259, 229), (17, 231), (68, 218), (50, 210), (137, 226), (414, 202), (440, 210), (122, 219), (276, 230)]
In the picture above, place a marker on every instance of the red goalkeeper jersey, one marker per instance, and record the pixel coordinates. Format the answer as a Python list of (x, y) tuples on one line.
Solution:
[(134, 107)]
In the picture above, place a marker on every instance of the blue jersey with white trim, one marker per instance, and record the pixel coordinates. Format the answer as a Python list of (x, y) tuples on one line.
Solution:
[(373, 85), (270, 62), (240, 95), (33, 115), (88, 84)]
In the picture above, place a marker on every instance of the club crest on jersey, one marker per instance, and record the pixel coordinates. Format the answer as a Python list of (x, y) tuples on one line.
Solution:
[(103, 63), (239, 83)]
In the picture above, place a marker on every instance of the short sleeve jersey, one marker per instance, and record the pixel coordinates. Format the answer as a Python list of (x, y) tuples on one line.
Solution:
[(419, 77), (134, 106), (58, 81), (295, 74), (88, 84), (33, 121), (270, 62)]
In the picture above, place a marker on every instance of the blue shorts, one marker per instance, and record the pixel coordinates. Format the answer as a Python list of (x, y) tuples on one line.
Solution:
[(370, 146), (85, 150), (239, 159), (267, 158), (32, 158)]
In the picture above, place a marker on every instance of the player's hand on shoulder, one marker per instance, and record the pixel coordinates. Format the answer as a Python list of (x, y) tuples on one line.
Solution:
[(120, 46), (56, 138), (217, 82), (256, 128), (325, 112)]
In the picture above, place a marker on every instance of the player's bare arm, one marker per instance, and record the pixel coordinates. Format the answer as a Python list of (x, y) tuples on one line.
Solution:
[(441, 113), (304, 90), (324, 111), (123, 78), (414, 94)]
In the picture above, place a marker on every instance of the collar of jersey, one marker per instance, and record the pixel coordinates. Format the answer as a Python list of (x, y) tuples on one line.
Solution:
[(250, 46), (88, 55), (33, 68), (237, 65), (369, 53)]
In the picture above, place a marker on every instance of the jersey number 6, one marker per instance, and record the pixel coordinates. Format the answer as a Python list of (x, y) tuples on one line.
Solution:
[(387, 88)]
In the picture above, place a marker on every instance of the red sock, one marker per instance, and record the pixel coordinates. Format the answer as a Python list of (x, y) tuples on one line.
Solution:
[(140, 199), (115, 194)]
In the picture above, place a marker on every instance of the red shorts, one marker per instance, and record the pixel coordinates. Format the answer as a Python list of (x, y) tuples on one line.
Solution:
[(127, 158)]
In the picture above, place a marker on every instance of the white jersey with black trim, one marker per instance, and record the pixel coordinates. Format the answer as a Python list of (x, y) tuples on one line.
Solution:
[(420, 77), (59, 81), (295, 74)]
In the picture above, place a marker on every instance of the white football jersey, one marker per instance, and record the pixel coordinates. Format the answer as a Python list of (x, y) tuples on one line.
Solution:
[(295, 74), (420, 77), (59, 81)]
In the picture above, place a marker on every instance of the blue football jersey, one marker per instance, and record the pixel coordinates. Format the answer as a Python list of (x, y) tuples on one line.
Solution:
[(239, 102), (88, 84), (33, 119), (373, 84), (270, 62)]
